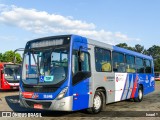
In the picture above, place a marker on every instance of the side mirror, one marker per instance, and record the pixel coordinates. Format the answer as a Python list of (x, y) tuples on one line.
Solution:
[(15, 59), (19, 49), (81, 56), (79, 53)]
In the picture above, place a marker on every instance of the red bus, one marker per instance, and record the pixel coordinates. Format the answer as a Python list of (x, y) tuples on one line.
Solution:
[(157, 75), (9, 76)]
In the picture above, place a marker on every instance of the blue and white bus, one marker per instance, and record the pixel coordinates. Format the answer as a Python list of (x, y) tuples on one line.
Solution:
[(74, 73)]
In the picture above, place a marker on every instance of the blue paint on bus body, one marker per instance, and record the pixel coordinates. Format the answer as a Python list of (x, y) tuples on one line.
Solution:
[(81, 101)]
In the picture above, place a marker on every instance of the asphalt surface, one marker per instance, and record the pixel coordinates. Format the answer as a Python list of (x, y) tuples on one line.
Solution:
[(149, 106)]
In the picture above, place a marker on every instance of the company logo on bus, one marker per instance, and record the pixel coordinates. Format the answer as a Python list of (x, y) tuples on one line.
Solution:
[(35, 96), (120, 77), (116, 79)]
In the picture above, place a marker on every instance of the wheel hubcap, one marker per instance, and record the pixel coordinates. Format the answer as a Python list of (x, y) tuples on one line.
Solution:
[(140, 94), (97, 102)]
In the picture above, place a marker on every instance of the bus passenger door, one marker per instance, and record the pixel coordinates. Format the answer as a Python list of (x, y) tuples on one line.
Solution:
[(80, 78)]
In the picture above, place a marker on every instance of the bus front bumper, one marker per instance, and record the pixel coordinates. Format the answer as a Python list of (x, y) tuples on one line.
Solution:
[(64, 104)]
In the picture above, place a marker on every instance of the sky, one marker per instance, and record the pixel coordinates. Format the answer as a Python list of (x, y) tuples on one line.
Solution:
[(110, 21)]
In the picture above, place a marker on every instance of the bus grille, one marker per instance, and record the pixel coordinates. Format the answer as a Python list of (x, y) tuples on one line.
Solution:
[(14, 81), (39, 89), (45, 104)]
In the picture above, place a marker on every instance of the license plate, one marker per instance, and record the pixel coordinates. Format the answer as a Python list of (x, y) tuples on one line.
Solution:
[(15, 88), (37, 106)]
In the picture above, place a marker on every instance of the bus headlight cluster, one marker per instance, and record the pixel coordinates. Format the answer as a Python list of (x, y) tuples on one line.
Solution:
[(62, 93)]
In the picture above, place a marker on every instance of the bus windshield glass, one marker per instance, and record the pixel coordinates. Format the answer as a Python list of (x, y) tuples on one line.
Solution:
[(45, 66), (12, 72)]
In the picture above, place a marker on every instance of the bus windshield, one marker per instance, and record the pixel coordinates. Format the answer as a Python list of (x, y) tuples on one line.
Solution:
[(12, 72), (45, 66)]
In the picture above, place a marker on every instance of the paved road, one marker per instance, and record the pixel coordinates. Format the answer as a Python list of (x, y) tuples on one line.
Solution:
[(9, 102)]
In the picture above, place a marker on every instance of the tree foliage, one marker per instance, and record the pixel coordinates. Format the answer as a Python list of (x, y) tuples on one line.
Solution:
[(154, 51), (0, 57), (139, 48), (124, 45), (157, 65), (8, 56)]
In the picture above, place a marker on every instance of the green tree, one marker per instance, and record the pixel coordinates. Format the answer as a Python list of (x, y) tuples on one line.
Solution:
[(18, 58), (145, 51), (1, 57), (8, 56), (124, 45), (157, 65), (154, 51), (139, 48)]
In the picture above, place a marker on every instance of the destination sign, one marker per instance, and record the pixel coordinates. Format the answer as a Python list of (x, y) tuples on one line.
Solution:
[(11, 65), (52, 42)]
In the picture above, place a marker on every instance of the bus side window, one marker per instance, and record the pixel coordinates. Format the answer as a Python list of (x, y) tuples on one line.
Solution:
[(139, 65), (130, 64), (147, 66), (102, 60), (118, 62)]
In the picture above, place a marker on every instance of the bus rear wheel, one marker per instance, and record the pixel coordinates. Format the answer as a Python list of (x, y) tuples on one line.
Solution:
[(97, 103), (140, 95)]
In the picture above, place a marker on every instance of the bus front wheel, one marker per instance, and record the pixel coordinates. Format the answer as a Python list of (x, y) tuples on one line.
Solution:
[(97, 103)]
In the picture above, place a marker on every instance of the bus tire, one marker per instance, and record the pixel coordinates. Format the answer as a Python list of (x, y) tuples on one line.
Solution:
[(97, 103), (140, 95), (104, 101)]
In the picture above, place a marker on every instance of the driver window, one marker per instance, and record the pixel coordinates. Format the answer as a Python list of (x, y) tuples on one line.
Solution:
[(83, 64), (84, 57)]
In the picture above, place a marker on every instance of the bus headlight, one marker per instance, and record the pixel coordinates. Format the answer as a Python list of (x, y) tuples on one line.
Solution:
[(62, 93)]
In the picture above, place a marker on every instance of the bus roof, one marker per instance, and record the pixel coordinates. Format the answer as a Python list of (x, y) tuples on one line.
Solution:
[(130, 52), (118, 49), (49, 37), (97, 43)]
